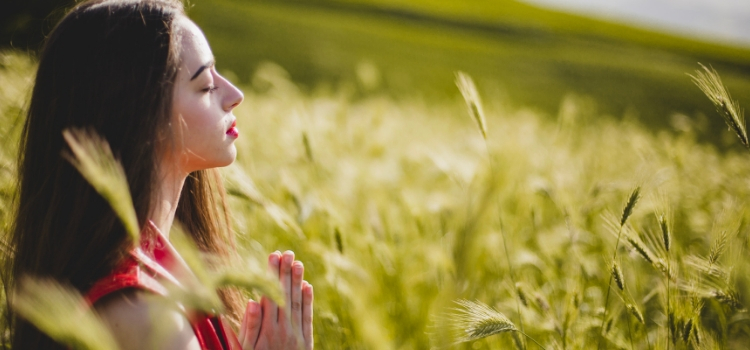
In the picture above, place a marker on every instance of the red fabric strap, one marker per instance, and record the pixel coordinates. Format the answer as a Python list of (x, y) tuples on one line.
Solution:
[(140, 270)]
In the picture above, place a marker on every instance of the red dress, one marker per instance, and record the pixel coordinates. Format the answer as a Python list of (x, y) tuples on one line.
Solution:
[(143, 268)]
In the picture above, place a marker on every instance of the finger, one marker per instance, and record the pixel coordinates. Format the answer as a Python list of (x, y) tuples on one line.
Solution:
[(243, 331), (298, 271), (270, 309), (251, 324), (274, 260), (285, 275), (307, 314)]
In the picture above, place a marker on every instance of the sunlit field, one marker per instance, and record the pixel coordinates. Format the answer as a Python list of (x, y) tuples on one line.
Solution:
[(426, 224), (531, 56)]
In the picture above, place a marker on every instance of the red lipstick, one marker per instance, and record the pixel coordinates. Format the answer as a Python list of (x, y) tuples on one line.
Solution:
[(233, 132)]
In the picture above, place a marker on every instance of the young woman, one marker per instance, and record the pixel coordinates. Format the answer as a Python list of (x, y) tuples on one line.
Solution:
[(141, 75)]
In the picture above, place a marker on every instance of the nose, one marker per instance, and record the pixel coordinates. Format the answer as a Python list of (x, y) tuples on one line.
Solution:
[(233, 97)]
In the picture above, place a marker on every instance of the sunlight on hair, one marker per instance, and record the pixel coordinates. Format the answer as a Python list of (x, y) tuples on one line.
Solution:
[(94, 160), (61, 313)]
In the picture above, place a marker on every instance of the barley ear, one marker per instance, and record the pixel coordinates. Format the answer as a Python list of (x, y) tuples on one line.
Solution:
[(617, 275), (718, 247), (687, 330), (641, 249), (665, 233), (339, 240), (308, 148), (93, 158), (522, 295), (710, 83), (630, 205), (475, 320), (196, 290), (672, 326), (61, 313), (636, 313), (473, 102), (728, 298)]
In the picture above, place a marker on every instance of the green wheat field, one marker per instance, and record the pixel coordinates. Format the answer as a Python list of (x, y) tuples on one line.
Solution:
[(518, 208)]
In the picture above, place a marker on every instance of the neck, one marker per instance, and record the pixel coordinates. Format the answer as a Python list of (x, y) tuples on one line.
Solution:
[(167, 197)]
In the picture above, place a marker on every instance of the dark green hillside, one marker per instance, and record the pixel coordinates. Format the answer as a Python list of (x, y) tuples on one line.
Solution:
[(535, 57)]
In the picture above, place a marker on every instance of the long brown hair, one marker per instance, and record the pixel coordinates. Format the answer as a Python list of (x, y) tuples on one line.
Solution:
[(109, 66)]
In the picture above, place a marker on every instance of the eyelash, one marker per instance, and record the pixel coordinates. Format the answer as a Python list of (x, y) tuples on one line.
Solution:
[(210, 89)]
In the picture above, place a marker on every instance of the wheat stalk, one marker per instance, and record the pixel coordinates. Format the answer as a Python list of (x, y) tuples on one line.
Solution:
[(626, 212), (522, 295), (61, 313), (718, 247), (709, 82), (728, 298), (308, 148), (479, 321), (199, 288), (686, 330), (665, 232), (633, 310), (474, 320), (473, 102), (641, 249), (635, 195), (617, 275), (667, 241), (93, 158)]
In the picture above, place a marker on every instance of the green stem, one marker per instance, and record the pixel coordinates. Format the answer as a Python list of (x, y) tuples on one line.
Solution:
[(630, 333), (609, 287), (505, 244), (512, 278), (532, 339), (669, 326)]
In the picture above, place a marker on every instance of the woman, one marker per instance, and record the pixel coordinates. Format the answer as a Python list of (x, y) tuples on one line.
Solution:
[(140, 74)]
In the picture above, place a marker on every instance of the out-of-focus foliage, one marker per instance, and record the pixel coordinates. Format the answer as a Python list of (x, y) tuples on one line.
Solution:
[(63, 314), (398, 207), (530, 56), (24, 23)]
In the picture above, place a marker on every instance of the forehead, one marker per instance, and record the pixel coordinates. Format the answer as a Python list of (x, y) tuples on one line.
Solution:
[(194, 48)]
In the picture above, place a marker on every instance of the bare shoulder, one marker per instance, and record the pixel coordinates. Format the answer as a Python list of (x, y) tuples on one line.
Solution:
[(139, 321)]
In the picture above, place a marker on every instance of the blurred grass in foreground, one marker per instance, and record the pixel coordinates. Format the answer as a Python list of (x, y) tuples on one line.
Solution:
[(398, 207)]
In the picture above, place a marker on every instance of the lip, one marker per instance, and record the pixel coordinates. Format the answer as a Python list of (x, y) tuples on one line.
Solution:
[(233, 131)]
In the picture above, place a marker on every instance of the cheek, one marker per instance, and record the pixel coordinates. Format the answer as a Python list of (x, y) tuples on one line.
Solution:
[(194, 118)]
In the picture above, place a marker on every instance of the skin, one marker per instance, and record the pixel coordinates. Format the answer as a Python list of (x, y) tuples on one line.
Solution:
[(203, 104)]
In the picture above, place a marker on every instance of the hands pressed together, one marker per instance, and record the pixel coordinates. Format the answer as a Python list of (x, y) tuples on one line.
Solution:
[(268, 326)]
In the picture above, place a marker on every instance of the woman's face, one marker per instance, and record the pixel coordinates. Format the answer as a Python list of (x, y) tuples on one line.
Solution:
[(202, 106)]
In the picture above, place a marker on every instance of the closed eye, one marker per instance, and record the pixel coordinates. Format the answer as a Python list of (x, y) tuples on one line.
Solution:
[(210, 88)]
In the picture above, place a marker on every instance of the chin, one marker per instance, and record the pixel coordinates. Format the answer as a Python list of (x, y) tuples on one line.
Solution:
[(223, 159), (230, 157)]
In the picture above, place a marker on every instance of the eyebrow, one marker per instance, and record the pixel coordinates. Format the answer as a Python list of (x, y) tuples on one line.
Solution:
[(201, 69)]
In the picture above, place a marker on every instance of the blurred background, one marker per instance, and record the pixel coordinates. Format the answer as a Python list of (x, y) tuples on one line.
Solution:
[(629, 56)]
